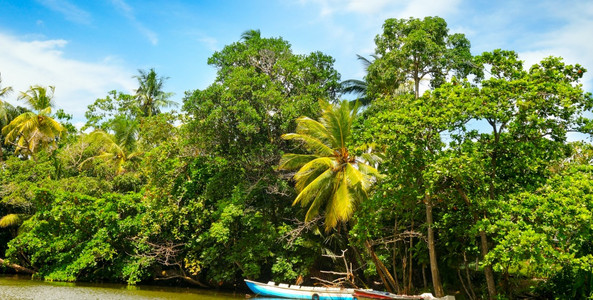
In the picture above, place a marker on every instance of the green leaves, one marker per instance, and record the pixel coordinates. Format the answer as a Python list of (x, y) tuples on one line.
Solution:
[(539, 233), (331, 179), (75, 237), (411, 49)]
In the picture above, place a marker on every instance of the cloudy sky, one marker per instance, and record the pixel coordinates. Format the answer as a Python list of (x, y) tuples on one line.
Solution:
[(87, 48)]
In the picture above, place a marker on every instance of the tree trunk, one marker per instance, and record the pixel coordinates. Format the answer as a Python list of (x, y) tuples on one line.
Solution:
[(17, 268), (411, 271), (488, 272), (434, 268), (394, 259), (390, 283), (487, 268)]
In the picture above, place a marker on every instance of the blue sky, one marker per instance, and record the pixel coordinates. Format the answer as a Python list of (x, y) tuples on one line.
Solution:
[(87, 48)]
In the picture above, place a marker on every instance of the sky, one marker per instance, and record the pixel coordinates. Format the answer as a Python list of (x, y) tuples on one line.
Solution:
[(88, 48)]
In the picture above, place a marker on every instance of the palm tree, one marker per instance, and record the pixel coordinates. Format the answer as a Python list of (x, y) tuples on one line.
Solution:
[(36, 129), (5, 110), (150, 95), (356, 86), (110, 151), (4, 91), (251, 34), (331, 178), (359, 87)]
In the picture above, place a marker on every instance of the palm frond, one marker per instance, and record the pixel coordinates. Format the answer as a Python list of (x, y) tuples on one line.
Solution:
[(291, 161), (309, 172), (341, 205), (310, 127), (11, 220), (338, 121), (251, 34), (38, 98), (354, 86), (371, 158), (312, 144), (311, 191), (365, 61)]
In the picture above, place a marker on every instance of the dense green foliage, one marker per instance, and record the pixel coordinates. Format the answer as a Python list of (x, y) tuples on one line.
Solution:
[(473, 188)]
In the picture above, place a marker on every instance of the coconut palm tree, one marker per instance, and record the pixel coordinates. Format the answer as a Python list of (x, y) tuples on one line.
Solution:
[(251, 34), (33, 130), (110, 151), (150, 95), (332, 178)]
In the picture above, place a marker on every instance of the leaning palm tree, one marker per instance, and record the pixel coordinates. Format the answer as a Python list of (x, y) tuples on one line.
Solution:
[(150, 95), (33, 130), (332, 178), (109, 151)]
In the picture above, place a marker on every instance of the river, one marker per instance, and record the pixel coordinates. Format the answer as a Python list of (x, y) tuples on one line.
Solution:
[(19, 287)]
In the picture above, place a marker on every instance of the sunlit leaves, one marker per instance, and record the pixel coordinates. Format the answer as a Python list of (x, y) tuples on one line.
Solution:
[(331, 179)]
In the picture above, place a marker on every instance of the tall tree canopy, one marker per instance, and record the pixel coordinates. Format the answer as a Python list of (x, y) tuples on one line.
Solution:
[(260, 88), (415, 49)]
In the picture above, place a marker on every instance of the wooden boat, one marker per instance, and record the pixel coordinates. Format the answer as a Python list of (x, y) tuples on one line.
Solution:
[(282, 290)]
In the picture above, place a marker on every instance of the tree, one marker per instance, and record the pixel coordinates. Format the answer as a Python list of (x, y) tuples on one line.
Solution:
[(332, 178), (150, 96), (233, 131), (5, 111), (360, 87), (104, 111), (31, 131), (251, 34), (412, 49), (528, 115), (4, 106), (261, 87), (115, 151), (411, 130)]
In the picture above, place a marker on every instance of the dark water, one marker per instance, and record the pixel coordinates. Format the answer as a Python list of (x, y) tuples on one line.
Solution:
[(19, 287)]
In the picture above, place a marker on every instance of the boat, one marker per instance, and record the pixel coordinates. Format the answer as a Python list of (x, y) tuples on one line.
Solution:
[(282, 290)]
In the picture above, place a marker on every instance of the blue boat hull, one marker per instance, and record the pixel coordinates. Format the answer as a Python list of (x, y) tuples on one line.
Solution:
[(292, 292)]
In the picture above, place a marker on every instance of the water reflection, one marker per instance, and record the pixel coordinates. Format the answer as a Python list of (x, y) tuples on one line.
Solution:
[(19, 287)]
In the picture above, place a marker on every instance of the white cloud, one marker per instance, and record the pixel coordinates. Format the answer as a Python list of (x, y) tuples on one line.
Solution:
[(43, 62), (70, 11), (425, 8), (382, 9), (572, 41), (126, 10)]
